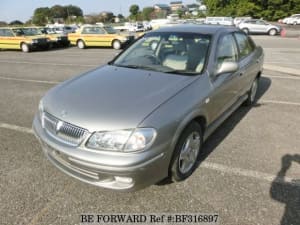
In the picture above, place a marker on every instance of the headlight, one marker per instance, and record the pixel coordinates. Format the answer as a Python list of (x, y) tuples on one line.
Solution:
[(122, 140), (123, 39)]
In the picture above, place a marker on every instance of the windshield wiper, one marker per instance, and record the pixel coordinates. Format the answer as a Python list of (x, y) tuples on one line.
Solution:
[(136, 67), (181, 72), (126, 66)]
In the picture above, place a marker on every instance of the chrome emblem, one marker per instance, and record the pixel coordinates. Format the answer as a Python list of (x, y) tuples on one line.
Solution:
[(58, 126), (63, 113)]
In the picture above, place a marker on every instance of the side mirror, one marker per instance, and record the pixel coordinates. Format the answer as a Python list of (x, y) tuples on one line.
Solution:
[(227, 67)]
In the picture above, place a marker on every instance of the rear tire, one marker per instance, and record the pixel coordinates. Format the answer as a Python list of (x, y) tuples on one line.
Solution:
[(25, 48), (252, 93), (245, 30), (116, 44), (186, 152), (81, 44)]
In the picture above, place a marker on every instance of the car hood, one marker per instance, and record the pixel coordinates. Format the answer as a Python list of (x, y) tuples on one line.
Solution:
[(112, 98)]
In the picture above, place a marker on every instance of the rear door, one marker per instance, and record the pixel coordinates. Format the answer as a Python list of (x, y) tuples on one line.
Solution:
[(8, 39), (94, 36), (248, 61)]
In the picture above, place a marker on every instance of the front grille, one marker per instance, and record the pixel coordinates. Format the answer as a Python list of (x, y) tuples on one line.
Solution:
[(63, 131), (131, 38), (42, 41)]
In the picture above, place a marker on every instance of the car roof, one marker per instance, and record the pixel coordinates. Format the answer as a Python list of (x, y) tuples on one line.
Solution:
[(197, 28)]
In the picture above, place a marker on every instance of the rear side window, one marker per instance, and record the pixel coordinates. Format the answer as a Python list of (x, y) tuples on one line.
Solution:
[(226, 50), (93, 30), (244, 44), (6, 33)]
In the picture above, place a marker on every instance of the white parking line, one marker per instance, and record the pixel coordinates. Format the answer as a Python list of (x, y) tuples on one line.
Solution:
[(49, 64), (92, 55), (208, 165), (291, 77), (279, 102), (282, 62), (16, 128), (247, 173), (28, 80)]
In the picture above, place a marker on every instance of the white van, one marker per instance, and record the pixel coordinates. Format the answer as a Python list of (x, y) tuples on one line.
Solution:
[(228, 21)]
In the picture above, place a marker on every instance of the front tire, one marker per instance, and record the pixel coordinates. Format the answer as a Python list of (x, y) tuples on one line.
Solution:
[(245, 30), (25, 48), (252, 93), (272, 32), (81, 44), (116, 44), (186, 152)]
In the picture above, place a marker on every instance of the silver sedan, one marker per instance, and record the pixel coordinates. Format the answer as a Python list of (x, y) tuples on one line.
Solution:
[(145, 115)]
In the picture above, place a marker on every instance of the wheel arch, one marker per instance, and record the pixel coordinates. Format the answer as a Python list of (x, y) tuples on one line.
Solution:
[(115, 39), (199, 117), (79, 39), (258, 75), (273, 28), (22, 42), (201, 120)]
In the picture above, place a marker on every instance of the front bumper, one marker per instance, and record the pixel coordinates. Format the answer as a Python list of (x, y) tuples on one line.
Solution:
[(128, 41), (112, 170)]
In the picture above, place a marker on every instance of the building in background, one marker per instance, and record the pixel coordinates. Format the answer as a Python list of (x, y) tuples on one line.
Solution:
[(176, 5)]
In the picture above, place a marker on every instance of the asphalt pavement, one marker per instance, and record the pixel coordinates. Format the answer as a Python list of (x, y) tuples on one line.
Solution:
[(250, 173)]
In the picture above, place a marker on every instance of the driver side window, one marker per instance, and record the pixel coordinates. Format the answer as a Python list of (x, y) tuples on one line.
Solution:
[(226, 50)]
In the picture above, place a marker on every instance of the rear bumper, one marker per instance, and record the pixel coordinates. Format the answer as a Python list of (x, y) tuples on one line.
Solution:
[(118, 171)]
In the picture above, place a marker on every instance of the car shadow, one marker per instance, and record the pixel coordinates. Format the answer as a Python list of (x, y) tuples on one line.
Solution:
[(227, 126), (287, 192)]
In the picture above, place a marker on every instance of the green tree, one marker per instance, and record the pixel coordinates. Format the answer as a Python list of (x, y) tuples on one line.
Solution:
[(106, 17), (268, 9), (58, 11), (16, 23), (41, 16), (73, 10), (134, 11), (179, 12), (146, 13), (80, 19)]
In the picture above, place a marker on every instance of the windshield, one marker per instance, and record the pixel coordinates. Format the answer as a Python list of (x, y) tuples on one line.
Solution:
[(178, 53), (110, 30)]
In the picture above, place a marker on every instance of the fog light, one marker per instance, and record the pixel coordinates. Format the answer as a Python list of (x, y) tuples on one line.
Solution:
[(126, 180)]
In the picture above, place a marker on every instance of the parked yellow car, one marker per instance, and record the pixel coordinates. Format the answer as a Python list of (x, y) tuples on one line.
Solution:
[(102, 36), (21, 38)]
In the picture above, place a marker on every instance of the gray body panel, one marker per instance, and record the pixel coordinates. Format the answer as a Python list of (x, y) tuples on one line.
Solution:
[(113, 93)]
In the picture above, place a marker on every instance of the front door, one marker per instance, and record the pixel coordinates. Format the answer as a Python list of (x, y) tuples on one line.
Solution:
[(226, 86)]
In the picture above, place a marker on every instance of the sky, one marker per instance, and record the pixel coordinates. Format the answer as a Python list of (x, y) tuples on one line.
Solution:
[(23, 9)]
